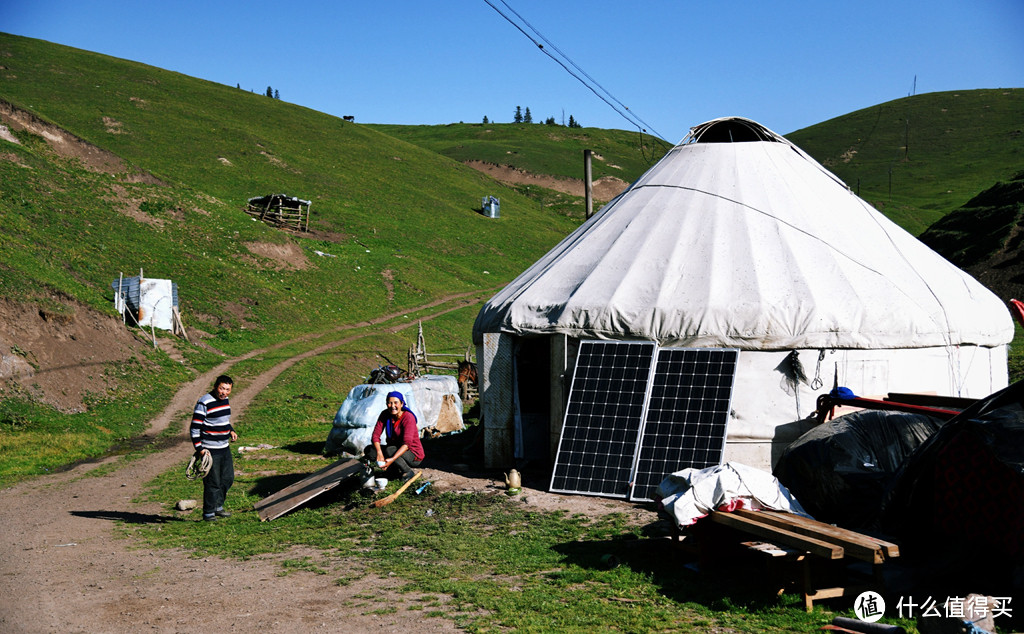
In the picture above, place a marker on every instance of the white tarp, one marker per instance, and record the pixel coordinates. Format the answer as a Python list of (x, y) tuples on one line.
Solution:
[(355, 419), (690, 494), (750, 245), (156, 304)]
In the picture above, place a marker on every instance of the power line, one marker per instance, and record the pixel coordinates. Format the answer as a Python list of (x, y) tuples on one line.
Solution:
[(634, 120)]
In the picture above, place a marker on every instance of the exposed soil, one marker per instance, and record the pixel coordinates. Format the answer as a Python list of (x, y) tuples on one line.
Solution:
[(67, 145), (61, 355), (284, 256), (65, 569), (604, 188)]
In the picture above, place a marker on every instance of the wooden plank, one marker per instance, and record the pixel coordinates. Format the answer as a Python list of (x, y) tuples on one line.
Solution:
[(891, 549), (857, 545), (852, 546), (290, 497), (779, 535)]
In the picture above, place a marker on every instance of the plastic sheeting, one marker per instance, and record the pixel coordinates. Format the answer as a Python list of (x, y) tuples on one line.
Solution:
[(960, 497), (355, 419), (690, 494), (842, 469)]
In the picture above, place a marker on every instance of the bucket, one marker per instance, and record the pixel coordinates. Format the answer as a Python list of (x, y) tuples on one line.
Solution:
[(491, 207)]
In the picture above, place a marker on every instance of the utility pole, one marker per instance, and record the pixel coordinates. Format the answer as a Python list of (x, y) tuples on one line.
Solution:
[(587, 184)]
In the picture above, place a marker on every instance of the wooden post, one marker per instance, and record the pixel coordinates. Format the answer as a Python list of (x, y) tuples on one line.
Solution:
[(587, 184)]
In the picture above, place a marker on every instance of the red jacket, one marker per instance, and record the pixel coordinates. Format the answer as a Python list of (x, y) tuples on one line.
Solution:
[(405, 431)]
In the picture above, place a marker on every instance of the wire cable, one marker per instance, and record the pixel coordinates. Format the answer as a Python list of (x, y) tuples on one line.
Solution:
[(632, 118)]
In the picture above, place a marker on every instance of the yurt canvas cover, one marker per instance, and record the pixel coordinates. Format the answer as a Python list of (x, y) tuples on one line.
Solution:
[(738, 239)]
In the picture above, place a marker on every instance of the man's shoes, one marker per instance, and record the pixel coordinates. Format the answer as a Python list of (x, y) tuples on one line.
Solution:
[(408, 476), (221, 513), (209, 518)]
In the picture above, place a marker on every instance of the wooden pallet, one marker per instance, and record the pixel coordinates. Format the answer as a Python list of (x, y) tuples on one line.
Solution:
[(801, 543)]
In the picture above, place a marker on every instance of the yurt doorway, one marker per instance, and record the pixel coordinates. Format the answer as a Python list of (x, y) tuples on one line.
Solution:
[(533, 400)]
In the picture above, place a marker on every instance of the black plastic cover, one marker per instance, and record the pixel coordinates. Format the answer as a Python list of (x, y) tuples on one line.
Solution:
[(841, 470)]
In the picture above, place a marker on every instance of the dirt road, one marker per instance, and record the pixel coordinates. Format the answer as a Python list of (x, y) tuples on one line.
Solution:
[(64, 569)]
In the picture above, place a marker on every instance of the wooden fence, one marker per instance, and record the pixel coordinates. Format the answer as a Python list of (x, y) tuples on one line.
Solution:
[(281, 210)]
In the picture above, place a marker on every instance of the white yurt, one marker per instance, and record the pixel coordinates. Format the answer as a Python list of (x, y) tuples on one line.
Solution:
[(738, 239)]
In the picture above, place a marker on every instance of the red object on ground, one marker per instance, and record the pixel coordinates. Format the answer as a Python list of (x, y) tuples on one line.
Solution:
[(1017, 308)]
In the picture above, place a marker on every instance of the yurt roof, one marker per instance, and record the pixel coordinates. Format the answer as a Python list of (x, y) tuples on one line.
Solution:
[(737, 238)]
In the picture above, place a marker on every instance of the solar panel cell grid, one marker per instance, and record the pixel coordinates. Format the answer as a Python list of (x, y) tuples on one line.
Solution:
[(686, 418), (636, 413), (602, 420)]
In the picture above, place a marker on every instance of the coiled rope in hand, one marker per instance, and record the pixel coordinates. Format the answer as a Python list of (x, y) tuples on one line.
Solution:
[(198, 472)]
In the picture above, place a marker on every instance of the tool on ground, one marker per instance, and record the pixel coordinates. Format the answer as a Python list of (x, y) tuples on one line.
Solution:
[(423, 487), (391, 498)]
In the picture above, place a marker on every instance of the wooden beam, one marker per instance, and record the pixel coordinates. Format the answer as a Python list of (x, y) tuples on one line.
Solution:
[(856, 545), (779, 535)]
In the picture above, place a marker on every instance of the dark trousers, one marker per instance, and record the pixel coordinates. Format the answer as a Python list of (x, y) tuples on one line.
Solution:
[(403, 464), (218, 481)]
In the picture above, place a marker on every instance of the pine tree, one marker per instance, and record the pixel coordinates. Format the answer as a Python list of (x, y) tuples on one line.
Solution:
[(519, 115), (572, 122), (549, 121), (485, 120), (270, 92), (277, 94), (527, 118)]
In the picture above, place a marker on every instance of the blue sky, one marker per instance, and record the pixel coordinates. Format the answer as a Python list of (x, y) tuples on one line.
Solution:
[(675, 64)]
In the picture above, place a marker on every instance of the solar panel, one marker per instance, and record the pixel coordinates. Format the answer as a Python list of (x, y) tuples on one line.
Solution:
[(603, 415), (686, 417)]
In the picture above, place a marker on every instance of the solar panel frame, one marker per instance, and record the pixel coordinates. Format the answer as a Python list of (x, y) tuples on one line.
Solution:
[(603, 418), (686, 415)]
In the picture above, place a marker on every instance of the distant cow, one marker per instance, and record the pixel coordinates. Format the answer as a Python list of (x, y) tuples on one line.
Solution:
[(349, 117)]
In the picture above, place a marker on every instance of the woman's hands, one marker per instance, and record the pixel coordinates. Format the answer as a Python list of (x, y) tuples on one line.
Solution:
[(386, 463)]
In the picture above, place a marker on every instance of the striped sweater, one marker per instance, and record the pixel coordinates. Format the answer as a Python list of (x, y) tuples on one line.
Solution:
[(211, 423)]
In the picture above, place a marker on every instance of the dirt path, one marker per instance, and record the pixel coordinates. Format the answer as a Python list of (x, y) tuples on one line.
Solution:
[(64, 569)]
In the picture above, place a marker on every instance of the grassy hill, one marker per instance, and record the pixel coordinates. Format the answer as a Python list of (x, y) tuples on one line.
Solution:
[(940, 149), (399, 218), (985, 237), (920, 157), (110, 166), (539, 149)]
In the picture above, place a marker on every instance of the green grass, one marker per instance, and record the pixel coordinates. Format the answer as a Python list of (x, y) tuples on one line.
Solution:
[(1016, 360), (920, 157), (500, 563), (400, 219)]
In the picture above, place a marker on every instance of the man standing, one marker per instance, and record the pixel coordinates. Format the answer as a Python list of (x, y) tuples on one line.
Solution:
[(211, 433)]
